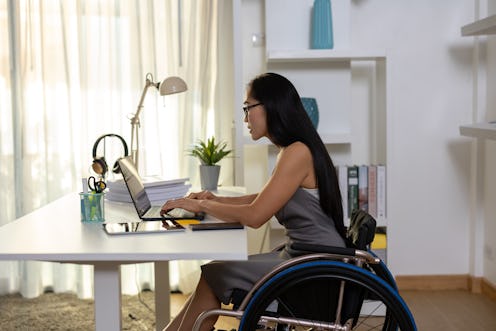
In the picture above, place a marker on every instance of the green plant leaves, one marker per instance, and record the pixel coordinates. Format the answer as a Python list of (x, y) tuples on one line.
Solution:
[(210, 152)]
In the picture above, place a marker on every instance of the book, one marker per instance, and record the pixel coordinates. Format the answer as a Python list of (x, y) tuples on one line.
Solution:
[(379, 244), (153, 181), (363, 187), (342, 171), (158, 198), (381, 191), (372, 191), (352, 188)]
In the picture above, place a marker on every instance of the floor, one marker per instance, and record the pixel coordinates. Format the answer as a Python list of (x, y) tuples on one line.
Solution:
[(432, 310), (451, 310)]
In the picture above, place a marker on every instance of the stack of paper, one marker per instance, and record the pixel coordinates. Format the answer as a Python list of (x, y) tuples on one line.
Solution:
[(158, 189)]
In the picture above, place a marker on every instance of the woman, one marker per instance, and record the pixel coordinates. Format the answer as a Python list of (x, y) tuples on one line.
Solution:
[(303, 194)]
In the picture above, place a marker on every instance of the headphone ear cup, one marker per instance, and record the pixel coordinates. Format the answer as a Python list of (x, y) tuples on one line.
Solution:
[(116, 169), (100, 166)]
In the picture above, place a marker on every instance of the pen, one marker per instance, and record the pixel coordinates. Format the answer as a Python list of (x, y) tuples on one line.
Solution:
[(85, 185)]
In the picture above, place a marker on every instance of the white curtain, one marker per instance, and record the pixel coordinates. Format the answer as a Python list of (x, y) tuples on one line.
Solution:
[(71, 71)]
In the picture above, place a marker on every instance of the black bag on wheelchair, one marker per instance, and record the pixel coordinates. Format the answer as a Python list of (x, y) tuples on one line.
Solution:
[(361, 231)]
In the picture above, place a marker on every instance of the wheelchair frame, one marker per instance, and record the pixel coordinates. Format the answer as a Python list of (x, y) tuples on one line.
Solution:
[(353, 274), (348, 266)]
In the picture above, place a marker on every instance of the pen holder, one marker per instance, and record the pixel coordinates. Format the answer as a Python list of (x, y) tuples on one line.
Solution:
[(92, 207)]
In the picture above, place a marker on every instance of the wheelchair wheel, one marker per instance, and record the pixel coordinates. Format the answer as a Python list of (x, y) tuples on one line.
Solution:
[(307, 297)]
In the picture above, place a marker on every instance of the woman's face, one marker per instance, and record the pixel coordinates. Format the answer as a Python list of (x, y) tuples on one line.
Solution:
[(256, 118)]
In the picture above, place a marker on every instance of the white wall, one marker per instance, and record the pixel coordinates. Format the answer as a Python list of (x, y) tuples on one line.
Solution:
[(430, 96), (430, 88)]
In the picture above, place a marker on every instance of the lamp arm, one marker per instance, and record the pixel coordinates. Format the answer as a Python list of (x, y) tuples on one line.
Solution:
[(148, 83), (135, 123)]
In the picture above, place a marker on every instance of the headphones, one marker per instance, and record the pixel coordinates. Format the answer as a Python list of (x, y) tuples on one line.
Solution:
[(99, 164)]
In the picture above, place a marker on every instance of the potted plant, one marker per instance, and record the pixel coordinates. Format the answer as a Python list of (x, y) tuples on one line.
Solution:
[(209, 153)]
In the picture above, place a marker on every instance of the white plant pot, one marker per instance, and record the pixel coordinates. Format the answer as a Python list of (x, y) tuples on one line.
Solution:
[(209, 177)]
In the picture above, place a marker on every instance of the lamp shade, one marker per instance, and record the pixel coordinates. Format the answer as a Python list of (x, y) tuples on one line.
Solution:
[(172, 85)]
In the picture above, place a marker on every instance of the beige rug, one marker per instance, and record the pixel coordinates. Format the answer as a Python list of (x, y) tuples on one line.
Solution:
[(66, 312)]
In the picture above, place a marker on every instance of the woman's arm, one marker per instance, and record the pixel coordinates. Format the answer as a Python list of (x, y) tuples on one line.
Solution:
[(294, 168), (237, 200)]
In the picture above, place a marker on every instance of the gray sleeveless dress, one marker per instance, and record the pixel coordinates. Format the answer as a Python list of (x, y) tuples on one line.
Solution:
[(305, 222)]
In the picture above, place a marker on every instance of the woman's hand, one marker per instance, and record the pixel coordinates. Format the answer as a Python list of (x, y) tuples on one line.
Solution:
[(192, 205), (203, 195)]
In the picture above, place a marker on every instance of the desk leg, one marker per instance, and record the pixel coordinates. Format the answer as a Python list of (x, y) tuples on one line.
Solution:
[(107, 294), (162, 294)]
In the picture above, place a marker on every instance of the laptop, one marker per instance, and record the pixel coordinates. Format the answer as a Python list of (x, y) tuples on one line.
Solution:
[(144, 208)]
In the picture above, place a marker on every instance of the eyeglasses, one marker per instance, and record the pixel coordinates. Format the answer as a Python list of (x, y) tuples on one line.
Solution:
[(247, 108)]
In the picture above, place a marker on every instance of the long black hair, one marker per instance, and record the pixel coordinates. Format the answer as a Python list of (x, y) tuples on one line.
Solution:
[(288, 122)]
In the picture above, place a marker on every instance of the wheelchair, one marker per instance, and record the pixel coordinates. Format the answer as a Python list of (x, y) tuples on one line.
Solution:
[(326, 288)]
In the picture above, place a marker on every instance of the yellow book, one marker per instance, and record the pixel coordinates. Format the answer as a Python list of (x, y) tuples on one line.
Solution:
[(188, 222), (379, 241)]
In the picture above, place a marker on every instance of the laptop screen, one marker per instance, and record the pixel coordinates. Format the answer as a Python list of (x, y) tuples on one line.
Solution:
[(134, 185)]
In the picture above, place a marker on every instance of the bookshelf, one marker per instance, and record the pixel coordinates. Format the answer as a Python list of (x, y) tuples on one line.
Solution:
[(485, 26), (323, 55), (328, 138), (325, 74), (478, 192)]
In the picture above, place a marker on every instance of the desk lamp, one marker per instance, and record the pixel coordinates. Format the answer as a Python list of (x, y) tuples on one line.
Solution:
[(170, 85)]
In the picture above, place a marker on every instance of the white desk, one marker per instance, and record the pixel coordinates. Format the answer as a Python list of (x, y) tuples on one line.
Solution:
[(55, 233)]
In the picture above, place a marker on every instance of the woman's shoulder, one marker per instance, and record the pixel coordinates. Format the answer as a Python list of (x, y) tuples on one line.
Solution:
[(297, 146), (296, 152)]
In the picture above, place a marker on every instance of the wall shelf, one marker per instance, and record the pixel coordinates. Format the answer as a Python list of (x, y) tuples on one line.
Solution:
[(479, 130), (481, 27), (318, 55)]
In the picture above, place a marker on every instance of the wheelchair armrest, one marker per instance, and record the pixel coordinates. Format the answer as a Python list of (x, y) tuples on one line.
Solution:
[(278, 247), (312, 248)]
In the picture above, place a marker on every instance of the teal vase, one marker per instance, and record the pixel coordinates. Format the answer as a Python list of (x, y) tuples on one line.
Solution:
[(322, 35), (310, 105)]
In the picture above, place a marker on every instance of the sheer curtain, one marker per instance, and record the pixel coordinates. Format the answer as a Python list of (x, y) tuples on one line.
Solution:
[(74, 70)]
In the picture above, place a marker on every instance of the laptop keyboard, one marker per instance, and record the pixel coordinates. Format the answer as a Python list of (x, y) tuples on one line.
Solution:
[(180, 213), (154, 211)]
